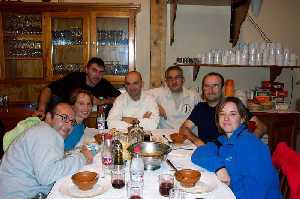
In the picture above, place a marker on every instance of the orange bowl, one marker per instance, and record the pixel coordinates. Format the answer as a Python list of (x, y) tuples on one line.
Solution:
[(187, 177), (85, 180), (177, 138)]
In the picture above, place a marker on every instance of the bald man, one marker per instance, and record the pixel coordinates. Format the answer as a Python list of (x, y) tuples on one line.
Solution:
[(134, 105)]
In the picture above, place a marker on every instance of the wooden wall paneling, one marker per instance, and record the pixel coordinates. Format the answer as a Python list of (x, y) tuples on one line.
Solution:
[(131, 42), (2, 61), (157, 41), (46, 23)]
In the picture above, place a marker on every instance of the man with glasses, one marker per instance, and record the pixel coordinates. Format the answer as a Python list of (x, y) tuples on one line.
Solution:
[(91, 80), (175, 102), (203, 115), (35, 160)]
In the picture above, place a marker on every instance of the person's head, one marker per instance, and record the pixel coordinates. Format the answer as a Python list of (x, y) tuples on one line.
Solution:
[(61, 117), (230, 114), (212, 87), (174, 78), (94, 71), (82, 102), (134, 85)]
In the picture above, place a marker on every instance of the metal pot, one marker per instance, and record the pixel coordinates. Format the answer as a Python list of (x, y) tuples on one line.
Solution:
[(153, 153)]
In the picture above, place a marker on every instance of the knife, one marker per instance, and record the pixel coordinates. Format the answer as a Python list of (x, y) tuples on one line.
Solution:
[(171, 164)]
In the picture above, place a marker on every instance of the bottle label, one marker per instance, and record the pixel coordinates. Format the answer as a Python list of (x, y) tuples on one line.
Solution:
[(137, 176), (100, 124), (107, 161)]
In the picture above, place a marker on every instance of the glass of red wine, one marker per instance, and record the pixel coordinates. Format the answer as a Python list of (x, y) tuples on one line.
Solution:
[(134, 190), (166, 183), (118, 178)]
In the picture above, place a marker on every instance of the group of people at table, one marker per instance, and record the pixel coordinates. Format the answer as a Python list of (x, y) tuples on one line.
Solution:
[(217, 125)]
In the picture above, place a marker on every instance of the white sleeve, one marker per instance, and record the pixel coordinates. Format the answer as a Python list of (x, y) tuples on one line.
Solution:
[(114, 119), (48, 160), (152, 122)]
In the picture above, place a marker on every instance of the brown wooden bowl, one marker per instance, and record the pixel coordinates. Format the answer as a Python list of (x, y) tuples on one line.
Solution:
[(177, 138), (187, 177), (85, 180)]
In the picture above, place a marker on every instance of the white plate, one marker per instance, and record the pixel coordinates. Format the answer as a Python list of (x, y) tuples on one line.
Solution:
[(71, 189)]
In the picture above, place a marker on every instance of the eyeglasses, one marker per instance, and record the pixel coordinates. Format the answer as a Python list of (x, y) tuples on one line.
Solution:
[(65, 118), (174, 78), (211, 86)]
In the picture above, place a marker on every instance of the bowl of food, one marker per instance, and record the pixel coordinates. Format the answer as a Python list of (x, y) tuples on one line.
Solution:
[(187, 177), (85, 180), (153, 153), (177, 138)]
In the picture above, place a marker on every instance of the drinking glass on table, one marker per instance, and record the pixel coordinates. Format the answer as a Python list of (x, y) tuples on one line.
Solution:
[(134, 190), (118, 178), (166, 183), (176, 193)]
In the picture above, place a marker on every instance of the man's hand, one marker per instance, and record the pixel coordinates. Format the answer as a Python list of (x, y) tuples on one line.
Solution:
[(87, 154), (130, 120), (162, 112), (186, 130), (223, 176), (147, 114), (39, 113)]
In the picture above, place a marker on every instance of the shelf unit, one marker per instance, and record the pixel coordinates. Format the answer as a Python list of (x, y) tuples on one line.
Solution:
[(68, 34), (274, 69)]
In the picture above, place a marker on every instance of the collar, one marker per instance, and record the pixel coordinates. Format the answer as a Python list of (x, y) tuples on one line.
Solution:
[(234, 137)]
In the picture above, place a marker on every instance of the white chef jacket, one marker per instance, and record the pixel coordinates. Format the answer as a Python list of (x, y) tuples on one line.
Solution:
[(175, 115), (124, 106)]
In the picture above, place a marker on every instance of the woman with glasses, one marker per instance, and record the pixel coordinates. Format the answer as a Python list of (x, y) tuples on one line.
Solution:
[(82, 102), (238, 157)]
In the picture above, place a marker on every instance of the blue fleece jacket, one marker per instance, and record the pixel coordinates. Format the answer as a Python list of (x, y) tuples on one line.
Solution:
[(248, 162)]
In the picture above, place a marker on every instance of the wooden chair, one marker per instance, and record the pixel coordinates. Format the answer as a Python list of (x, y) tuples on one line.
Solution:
[(284, 186)]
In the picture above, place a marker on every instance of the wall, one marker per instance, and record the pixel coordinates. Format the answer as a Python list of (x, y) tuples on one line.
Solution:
[(279, 20), (201, 28)]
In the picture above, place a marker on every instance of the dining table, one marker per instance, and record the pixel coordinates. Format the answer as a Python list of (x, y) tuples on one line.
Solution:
[(208, 186)]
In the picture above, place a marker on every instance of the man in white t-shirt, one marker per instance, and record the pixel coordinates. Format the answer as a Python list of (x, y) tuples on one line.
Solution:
[(134, 105), (175, 102)]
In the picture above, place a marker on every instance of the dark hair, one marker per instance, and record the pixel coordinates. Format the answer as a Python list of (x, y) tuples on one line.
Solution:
[(53, 108), (75, 94), (213, 74), (173, 68), (96, 60), (240, 107)]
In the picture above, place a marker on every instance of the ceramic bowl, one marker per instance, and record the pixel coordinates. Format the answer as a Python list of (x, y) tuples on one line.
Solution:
[(177, 138), (187, 177), (85, 180)]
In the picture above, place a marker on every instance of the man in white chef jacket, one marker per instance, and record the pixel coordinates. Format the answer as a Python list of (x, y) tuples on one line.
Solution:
[(134, 105)]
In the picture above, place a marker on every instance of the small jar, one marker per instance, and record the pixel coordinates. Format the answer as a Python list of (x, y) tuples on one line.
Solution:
[(229, 88)]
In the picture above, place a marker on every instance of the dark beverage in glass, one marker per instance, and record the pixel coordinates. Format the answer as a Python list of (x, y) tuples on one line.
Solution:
[(118, 184), (165, 187), (135, 197)]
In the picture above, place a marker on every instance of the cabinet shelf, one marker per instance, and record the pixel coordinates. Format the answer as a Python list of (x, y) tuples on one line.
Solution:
[(117, 46), (13, 36), (68, 46), (275, 70), (23, 58)]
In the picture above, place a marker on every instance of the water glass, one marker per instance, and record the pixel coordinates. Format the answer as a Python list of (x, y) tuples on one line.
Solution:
[(176, 193), (134, 190), (166, 183)]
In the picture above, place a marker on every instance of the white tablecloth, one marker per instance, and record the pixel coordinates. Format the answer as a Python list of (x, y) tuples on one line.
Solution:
[(179, 157)]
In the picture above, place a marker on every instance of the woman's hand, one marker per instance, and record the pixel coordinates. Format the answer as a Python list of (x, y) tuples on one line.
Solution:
[(87, 154), (223, 176)]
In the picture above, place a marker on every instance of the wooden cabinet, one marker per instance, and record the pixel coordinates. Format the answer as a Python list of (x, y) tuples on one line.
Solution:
[(281, 127), (41, 42)]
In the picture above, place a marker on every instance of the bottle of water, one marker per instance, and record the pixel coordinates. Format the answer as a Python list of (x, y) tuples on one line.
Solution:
[(101, 118), (107, 158), (137, 167)]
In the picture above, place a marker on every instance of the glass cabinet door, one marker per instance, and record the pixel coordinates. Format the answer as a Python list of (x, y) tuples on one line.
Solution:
[(67, 44), (23, 46), (112, 44)]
